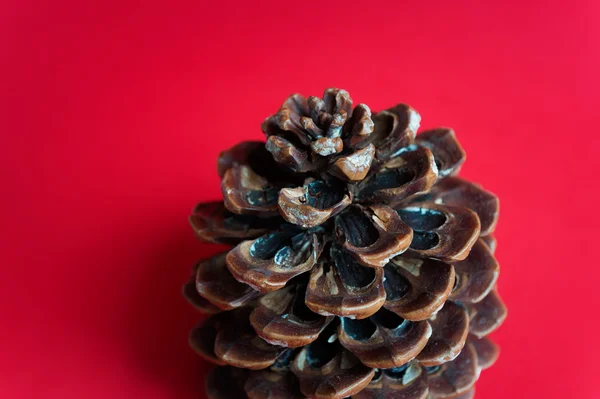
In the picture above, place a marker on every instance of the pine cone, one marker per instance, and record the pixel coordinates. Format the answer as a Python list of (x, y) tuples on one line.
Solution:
[(361, 266)]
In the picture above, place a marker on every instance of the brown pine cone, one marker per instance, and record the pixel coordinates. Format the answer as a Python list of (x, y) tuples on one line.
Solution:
[(361, 265)]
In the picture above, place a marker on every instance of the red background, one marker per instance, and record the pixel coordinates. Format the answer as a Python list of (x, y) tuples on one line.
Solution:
[(113, 114)]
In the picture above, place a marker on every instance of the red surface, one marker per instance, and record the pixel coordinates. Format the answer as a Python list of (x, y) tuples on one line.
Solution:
[(113, 114)]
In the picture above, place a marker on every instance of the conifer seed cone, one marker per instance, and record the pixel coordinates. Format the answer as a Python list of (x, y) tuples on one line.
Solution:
[(360, 264)]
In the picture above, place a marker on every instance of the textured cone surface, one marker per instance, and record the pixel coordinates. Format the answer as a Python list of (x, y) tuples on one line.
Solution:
[(360, 264)]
